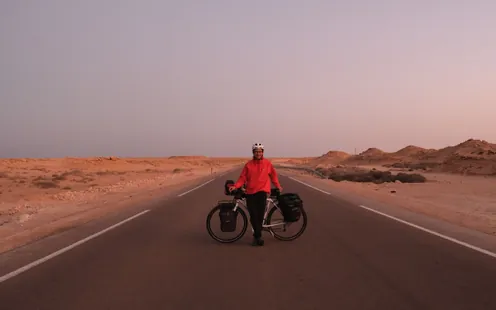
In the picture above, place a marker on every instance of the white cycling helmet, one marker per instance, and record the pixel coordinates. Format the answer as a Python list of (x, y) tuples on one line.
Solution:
[(257, 146)]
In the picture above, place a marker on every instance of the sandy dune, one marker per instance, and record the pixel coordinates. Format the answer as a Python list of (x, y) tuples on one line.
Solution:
[(36, 193), (472, 157)]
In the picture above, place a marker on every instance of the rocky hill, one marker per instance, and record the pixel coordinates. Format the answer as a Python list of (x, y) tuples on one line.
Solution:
[(469, 157)]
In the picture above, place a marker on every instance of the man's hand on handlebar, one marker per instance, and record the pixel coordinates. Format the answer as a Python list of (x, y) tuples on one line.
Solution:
[(232, 188)]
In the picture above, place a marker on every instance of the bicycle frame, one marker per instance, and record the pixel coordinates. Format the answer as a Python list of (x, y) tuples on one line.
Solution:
[(270, 201)]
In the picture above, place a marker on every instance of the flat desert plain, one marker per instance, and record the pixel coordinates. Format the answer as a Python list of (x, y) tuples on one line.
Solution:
[(41, 196)]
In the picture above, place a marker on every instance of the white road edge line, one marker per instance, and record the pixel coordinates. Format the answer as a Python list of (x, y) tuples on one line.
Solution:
[(180, 195), (315, 188), (473, 247), (67, 248), (223, 174), (459, 242)]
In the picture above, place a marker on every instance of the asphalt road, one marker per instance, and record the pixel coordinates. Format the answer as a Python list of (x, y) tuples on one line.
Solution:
[(348, 258)]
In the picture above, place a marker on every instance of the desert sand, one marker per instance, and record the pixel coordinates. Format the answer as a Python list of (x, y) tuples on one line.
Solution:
[(39, 196), (460, 185)]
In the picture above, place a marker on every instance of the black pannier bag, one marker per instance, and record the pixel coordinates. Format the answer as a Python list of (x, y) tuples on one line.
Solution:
[(290, 205), (227, 216), (226, 187)]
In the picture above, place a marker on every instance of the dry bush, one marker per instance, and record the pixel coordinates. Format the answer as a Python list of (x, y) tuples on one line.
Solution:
[(153, 170), (321, 170), (184, 170), (107, 172), (45, 184), (85, 180), (375, 176), (65, 175), (413, 166), (410, 178), (56, 177)]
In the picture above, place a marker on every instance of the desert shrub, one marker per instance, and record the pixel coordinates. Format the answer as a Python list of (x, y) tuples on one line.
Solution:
[(424, 166), (410, 178), (65, 175), (106, 172), (336, 177), (45, 184), (57, 177), (84, 180), (182, 170), (375, 176), (413, 166), (382, 176), (153, 170), (321, 170)]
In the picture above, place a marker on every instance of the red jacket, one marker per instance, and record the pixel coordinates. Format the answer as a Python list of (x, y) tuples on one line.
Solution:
[(257, 174)]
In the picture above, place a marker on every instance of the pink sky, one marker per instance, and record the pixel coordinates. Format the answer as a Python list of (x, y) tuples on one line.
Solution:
[(159, 78)]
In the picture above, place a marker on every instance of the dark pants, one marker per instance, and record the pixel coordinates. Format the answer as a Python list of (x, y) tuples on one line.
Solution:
[(256, 206)]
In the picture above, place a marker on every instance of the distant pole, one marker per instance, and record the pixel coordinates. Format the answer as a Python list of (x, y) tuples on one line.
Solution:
[(355, 151)]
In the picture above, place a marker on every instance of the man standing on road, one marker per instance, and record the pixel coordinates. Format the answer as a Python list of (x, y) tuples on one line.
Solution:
[(257, 174)]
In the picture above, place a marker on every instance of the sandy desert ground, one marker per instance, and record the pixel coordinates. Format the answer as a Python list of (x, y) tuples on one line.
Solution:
[(460, 186), (40, 196)]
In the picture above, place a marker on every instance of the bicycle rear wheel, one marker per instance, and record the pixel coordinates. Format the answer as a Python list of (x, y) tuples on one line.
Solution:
[(244, 218), (275, 229)]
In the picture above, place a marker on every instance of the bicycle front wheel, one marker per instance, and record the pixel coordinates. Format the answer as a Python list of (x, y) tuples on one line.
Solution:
[(217, 237), (279, 226)]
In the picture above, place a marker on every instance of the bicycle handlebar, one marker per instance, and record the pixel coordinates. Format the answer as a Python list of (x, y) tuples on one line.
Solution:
[(241, 193)]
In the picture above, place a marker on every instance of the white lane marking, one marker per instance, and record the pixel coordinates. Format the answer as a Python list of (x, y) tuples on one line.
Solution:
[(470, 246), (473, 247), (315, 188), (67, 248), (224, 174), (180, 195)]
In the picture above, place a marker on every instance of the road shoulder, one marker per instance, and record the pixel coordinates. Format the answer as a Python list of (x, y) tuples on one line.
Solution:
[(463, 234)]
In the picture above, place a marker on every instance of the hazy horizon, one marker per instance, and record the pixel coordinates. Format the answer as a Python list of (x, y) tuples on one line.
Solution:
[(163, 78)]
